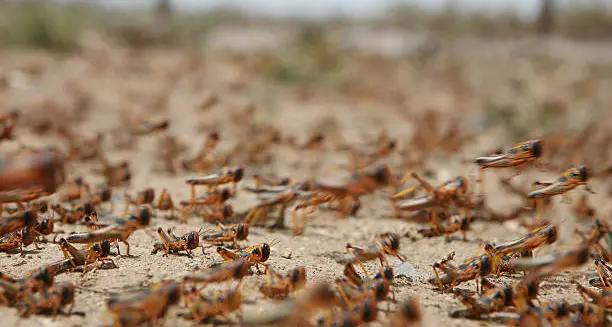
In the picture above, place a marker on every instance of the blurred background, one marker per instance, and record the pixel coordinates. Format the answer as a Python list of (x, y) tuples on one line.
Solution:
[(501, 71)]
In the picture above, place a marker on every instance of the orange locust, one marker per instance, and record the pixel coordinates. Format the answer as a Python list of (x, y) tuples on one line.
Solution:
[(517, 157), (20, 239), (539, 237), (19, 198), (201, 162), (207, 205), (144, 197), (72, 190), (217, 196), (44, 226), (116, 174), (279, 287), (223, 176), (504, 263), (351, 275), (37, 280), (548, 314), (256, 255), (495, 298), (359, 314), (453, 191), (386, 244), (408, 315), (172, 243), (270, 197), (569, 180), (553, 264), (17, 222), (316, 198), (358, 161), (384, 272), (588, 314), (472, 268), (80, 147), (232, 233), (348, 294), (220, 303), (604, 275), (101, 193), (456, 223), (223, 212), (40, 171), (147, 306), (73, 215), (367, 182), (347, 195), (599, 229), (50, 301), (294, 312), (119, 230), (84, 257), (236, 269), (165, 202), (38, 206), (27, 235), (603, 297)]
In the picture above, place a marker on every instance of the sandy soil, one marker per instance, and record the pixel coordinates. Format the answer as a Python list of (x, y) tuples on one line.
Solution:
[(119, 80)]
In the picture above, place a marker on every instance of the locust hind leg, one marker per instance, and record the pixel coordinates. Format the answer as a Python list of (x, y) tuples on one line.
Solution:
[(127, 245), (428, 187), (345, 297), (68, 256), (440, 284)]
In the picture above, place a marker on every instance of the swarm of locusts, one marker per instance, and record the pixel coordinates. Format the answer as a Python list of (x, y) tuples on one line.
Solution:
[(38, 193)]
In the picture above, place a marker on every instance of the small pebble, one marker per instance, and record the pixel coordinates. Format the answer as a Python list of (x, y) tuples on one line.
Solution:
[(404, 269)]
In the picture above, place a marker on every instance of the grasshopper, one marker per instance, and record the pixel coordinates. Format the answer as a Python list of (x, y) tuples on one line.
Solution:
[(517, 157), (569, 180), (172, 243), (120, 230), (280, 287)]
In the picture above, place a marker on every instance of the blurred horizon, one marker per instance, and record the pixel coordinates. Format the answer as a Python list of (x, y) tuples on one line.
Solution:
[(342, 8)]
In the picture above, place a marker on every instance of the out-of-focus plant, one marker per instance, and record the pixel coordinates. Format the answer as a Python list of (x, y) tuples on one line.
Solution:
[(40, 24)]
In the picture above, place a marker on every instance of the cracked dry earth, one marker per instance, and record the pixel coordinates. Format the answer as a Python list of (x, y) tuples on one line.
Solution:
[(324, 235)]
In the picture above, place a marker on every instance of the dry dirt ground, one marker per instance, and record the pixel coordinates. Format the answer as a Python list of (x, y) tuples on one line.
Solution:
[(120, 80)]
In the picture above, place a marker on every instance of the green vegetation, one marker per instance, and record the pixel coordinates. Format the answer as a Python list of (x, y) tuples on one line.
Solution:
[(41, 25)]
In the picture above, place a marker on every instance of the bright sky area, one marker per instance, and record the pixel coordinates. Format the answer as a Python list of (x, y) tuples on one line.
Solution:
[(349, 8)]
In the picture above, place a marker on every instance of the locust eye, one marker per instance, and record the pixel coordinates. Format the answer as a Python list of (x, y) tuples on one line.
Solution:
[(295, 276)]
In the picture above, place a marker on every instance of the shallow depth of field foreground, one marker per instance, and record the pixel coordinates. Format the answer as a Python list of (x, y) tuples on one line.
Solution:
[(324, 104)]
